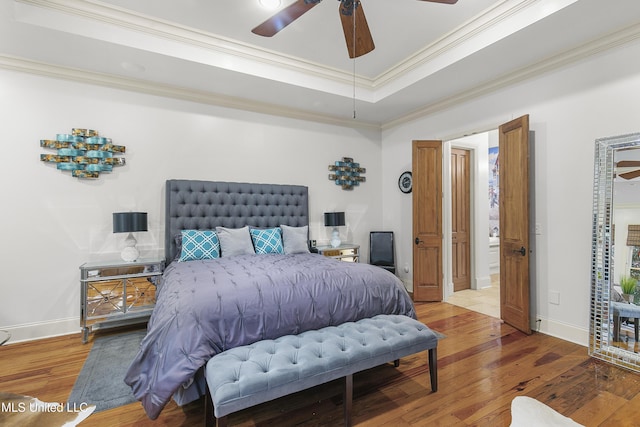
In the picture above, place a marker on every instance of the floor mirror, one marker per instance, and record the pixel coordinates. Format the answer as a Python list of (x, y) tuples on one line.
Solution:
[(615, 256)]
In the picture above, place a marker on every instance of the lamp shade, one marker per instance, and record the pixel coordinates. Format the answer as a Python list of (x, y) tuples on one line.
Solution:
[(129, 222), (334, 219)]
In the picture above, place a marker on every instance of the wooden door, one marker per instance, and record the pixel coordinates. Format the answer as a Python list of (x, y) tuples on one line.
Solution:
[(460, 219), (427, 220), (514, 223)]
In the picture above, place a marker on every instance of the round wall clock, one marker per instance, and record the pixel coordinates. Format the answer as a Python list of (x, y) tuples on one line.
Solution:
[(405, 182)]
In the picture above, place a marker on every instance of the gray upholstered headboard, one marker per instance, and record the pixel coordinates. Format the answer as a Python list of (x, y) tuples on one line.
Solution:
[(203, 205)]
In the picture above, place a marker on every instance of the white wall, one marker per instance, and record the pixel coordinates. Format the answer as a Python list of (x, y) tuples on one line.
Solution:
[(569, 108), (52, 223)]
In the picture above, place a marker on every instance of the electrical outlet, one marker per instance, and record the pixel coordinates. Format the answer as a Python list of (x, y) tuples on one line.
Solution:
[(554, 297)]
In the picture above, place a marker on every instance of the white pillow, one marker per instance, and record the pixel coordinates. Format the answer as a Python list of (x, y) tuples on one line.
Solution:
[(234, 241), (294, 239)]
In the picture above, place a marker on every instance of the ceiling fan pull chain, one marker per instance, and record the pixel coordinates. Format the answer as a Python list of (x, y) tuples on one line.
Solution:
[(353, 16)]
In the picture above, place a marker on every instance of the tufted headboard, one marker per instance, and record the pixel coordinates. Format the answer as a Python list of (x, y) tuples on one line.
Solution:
[(203, 205)]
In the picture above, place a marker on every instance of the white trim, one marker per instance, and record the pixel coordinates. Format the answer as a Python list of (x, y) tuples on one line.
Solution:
[(102, 21), (324, 76), (40, 330), (82, 76), (562, 330), (529, 72), (483, 282), (408, 283)]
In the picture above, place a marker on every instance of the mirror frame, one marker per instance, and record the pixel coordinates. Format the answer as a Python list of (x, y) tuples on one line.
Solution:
[(601, 322)]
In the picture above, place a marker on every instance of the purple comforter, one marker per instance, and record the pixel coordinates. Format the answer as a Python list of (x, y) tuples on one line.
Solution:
[(206, 307)]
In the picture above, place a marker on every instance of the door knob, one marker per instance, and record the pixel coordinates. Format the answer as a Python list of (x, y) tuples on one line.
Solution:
[(522, 251), (418, 241)]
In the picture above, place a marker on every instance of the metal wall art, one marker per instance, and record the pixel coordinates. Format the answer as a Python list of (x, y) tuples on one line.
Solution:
[(83, 152), (347, 173)]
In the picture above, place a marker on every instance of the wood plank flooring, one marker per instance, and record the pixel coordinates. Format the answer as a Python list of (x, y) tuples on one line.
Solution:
[(482, 365)]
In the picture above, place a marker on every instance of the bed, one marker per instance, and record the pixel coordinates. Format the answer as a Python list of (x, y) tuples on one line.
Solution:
[(212, 303)]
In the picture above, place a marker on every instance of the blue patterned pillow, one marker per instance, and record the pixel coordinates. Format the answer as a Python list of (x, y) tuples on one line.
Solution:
[(267, 241), (199, 244)]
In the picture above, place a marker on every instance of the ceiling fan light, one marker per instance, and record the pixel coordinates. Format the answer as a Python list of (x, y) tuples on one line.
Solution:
[(270, 4)]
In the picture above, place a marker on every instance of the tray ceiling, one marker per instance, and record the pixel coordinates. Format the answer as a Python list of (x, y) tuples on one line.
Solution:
[(427, 56)]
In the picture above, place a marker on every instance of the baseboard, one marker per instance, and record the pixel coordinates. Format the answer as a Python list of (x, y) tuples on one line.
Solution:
[(563, 331), (36, 331), (408, 285), (483, 282)]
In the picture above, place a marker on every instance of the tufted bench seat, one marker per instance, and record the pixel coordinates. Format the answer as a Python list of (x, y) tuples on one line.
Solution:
[(249, 375)]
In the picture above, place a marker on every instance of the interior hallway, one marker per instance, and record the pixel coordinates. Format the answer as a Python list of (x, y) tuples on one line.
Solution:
[(485, 301)]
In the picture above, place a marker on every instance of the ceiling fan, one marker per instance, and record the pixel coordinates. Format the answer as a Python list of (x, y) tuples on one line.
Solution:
[(628, 164), (356, 31)]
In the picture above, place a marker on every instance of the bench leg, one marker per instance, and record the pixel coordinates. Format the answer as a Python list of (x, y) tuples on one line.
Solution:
[(635, 328), (433, 368), (208, 409), (209, 417), (396, 363), (348, 399)]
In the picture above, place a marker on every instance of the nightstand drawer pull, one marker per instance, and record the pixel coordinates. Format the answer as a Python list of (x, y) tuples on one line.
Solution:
[(344, 252)]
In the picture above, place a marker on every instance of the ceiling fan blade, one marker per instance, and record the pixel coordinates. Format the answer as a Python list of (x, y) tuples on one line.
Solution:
[(630, 175), (286, 16), (628, 164), (363, 42), (442, 1)]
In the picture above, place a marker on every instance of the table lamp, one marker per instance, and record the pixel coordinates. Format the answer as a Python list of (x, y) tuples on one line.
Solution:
[(335, 220), (129, 222)]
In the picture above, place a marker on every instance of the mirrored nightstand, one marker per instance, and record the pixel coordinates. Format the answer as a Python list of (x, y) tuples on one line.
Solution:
[(117, 293)]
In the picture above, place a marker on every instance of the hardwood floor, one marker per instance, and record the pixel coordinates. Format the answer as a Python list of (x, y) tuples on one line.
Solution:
[(482, 365)]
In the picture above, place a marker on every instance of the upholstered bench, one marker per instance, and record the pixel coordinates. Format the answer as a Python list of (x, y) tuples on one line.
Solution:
[(623, 309), (249, 375)]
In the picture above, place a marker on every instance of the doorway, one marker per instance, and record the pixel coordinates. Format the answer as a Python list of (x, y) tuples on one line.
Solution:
[(433, 207), (482, 195)]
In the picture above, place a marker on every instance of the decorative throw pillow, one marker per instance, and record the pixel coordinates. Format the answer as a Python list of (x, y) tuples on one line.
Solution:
[(295, 239), (199, 244), (235, 241), (267, 241)]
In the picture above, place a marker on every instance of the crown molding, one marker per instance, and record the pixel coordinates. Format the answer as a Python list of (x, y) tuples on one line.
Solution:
[(496, 14), (121, 17), (612, 41), (228, 53), (264, 63), (151, 88)]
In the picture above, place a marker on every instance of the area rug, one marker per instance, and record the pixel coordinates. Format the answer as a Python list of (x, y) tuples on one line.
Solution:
[(101, 381), (528, 412), (26, 411)]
